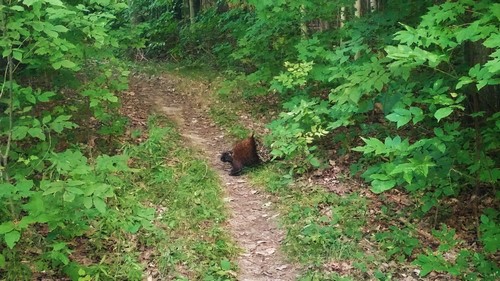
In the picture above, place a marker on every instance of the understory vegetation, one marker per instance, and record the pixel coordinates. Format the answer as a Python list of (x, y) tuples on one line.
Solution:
[(383, 120), (82, 195)]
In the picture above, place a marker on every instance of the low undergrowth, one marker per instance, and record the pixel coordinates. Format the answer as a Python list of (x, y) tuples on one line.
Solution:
[(323, 229), (187, 236), (343, 231), (161, 217)]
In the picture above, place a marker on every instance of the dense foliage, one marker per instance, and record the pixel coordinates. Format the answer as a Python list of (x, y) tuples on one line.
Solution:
[(50, 192), (412, 85), (71, 193)]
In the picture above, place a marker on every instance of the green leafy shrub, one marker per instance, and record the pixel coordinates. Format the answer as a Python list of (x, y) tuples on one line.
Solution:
[(465, 263), (490, 231), (398, 243), (293, 134), (432, 149), (435, 162), (50, 193)]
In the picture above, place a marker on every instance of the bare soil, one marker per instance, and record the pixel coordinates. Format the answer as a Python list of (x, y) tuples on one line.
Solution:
[(253, 221)]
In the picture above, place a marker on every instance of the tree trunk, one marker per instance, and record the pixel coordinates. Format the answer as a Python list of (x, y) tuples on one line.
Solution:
[(373, 5), (357, 8), (357, 13), (342, 17), (303, 25), (191, 11)]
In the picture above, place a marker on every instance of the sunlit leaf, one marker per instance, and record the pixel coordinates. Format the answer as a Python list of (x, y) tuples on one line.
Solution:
[(68, 196), (16, 54), (442, 113), (6, 227), (379, 186), (11, 238), (68, 64), (19, 132), (17, 8), (87, 202), (100, 205), (225, 265), (36, 133)]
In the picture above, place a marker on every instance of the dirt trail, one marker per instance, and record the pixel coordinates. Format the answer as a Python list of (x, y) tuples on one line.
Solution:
[(253, 222)]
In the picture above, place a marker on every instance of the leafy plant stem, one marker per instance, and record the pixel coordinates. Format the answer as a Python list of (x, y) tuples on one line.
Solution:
[(5, 155), (479, 145), (443, 72)]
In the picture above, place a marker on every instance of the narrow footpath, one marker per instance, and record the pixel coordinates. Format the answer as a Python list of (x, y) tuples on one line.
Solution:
[(252, 221)]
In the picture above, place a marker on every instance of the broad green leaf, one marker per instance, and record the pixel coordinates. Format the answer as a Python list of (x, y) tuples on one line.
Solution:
[(383, 177), (379, 186), (61, 123), (73, 183), (112, 98), (428, 204), (29, 2), (30, 97), (46, 119), (11, 238), (19, 132), (493, 41), (495, 9), (37, 25), (464, 80), (2, 261), (59, 246), (45, 96), (100, 205), (50, 32), (16, 54), (23, 187), (37, 133), (225, 265), (315, 162), (54, 189), (401, 168), (17, 8), (68, 196), (481, 84), (26, 221), (75, 190), (68, 64), (112, 163), (87, 202), (376, 145), (55, 2), (59, 28), (442, 113), (490, 175), (6, 227), (35, 206), (418, 114), (6, 189), (102, 2), (408, 177), (56, 65), (6, 52), (401, 116), (493, 65)]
